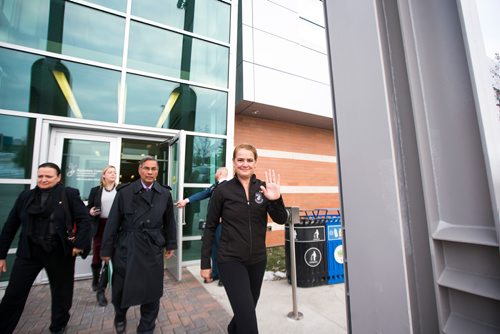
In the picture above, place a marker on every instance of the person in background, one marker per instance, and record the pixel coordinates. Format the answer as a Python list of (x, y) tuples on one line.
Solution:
[(220, 176), (99, 204), (141, 224), (44, 243), (242, 204)]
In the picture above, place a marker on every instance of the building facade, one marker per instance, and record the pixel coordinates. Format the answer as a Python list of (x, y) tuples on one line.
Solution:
[(90, 83)]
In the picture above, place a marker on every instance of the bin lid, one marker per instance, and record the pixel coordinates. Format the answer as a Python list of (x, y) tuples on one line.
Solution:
[(306, 233)]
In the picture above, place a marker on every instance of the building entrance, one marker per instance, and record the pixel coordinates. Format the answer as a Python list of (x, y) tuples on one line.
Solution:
[(83, 154)]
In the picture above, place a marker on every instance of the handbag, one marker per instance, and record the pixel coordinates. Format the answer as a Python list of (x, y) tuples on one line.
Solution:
[(104, 277)]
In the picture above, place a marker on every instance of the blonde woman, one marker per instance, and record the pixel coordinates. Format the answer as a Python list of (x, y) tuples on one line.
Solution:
[(242, 204), (100, 201)]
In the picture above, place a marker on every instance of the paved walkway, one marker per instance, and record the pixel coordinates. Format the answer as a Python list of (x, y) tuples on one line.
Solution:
[(187, 307), (193, 307)]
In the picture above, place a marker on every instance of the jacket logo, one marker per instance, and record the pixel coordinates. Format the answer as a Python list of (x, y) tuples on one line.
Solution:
[(259, 198)]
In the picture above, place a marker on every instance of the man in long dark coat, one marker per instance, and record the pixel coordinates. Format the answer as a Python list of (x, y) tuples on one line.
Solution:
[(140, 225)]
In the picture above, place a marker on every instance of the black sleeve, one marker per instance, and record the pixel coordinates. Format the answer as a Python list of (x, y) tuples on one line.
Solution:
[(213, 219), (169, 225), (277, 211), (92, 197), (81, 218), (12, 224)]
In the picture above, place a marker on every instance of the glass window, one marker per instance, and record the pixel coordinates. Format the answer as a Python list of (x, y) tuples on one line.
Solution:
[(8, 196), (165, 104), (54, 87), (191, 250), (66, 28), (156, 51), (195, 213), (10, 262), (120, 5), (82, 163), (132, 152), (209, 18), (209, 63), (16, 148), (203, 157)]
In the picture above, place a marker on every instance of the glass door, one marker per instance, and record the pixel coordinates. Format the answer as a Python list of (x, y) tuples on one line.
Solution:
[(82, 156), (175, 147)]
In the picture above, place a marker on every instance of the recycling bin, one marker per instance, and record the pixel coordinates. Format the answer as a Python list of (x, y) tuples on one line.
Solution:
[(334, 248)]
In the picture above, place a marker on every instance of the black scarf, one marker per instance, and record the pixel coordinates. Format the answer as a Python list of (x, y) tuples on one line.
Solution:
[(42, 227)]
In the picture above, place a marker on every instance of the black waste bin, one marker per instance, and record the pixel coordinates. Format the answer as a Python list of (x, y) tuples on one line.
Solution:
[(310, 252)]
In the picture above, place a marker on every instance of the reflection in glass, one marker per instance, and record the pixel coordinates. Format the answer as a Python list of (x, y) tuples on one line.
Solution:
[(64, 27), (209, 63), (195, 213), (119, 5), (157, 51), (8, 196), (82, 163), (191, 250), (10, 262), (54, 87), (165, 104), (209, 18), (203, 156), (16, 147), (132, 152), (154, 50)]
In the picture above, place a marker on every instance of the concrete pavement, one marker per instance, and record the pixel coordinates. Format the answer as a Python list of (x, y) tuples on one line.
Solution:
[(323, 307)]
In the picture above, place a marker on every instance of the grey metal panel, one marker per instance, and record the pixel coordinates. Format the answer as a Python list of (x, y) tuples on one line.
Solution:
[(455, 179), (486, 109), (386, 238), (418, 195)]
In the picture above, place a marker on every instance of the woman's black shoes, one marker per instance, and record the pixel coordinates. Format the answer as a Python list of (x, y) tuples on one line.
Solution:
[(95, 277), (101, 298)]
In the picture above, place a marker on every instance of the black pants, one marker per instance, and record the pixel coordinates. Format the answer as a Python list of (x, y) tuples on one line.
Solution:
[(242, 283), (60, 270), (149, 311)]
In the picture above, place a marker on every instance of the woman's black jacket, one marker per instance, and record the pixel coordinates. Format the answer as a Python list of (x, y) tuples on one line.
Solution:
[(18, 217), (244, 223)]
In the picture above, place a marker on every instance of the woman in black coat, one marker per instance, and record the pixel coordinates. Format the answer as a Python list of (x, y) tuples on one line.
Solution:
[(100, 200), (45, 242), (241, 206)]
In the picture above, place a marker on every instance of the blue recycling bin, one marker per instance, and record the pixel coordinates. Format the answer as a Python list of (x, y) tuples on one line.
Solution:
[(334, 247)]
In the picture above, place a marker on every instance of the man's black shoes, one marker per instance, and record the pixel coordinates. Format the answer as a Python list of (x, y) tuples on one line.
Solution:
[(120, 326), (58, 331)]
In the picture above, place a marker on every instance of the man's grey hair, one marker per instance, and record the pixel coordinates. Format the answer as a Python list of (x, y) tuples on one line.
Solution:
[(147, 158)]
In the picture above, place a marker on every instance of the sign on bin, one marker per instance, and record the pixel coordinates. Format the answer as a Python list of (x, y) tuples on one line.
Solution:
[(308, 234), (312, 257), (334, 232)]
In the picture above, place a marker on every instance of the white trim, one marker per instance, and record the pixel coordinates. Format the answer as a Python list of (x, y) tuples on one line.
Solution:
[(296, 156), (15, 181), (309, 190)]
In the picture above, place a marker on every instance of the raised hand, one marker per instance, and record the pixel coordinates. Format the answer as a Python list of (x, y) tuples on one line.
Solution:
[(272, 189)]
